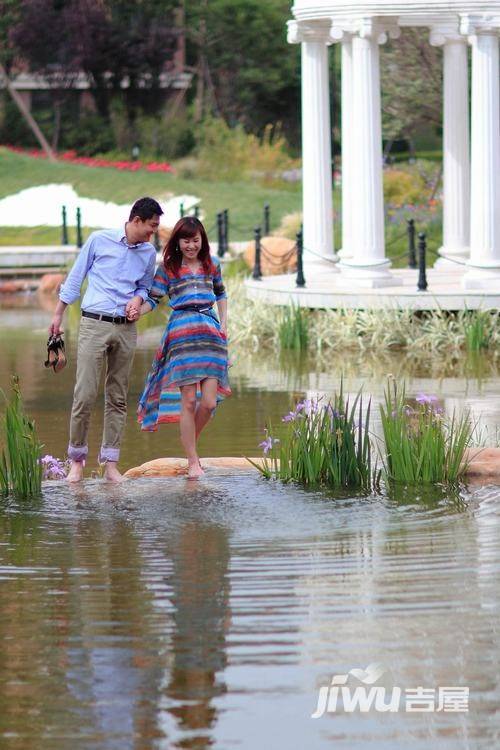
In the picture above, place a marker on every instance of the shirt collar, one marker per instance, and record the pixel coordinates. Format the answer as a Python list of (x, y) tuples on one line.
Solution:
[(121, 236)]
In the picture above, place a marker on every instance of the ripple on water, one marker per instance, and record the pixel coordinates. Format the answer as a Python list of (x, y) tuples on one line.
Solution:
[(177, 614)]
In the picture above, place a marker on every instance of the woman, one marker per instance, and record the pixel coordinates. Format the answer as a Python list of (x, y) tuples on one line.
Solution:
[(189, 372)]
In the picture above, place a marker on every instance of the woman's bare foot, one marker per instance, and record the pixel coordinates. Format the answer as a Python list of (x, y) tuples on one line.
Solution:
[(111, 473), (75, 474), (194, 469)]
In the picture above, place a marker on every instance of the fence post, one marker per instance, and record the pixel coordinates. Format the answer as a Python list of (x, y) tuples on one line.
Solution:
[(225, 216), (181, 210), (64, 228), (412, 259), (422, 278), (220, 235), (267, 220), (300, 281), (79, 238), (257, 272), (196, 212)]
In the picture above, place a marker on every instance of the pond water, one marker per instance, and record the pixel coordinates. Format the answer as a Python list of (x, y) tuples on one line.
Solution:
[(167, 614)]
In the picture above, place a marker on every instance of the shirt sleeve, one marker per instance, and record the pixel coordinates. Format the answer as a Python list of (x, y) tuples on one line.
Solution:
[(70, 290), (159, 287), (144, 284), (219, 288)]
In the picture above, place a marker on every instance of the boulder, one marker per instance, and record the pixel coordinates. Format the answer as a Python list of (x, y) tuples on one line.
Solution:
[(164, 233), (175, 467), (50, 283), (278, 255), (483, 464), (17, 285)]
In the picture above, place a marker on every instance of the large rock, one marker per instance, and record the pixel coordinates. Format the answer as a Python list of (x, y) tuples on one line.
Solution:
[(175, 467), (278, 255), (50, 283), (164, 233), (17, 285), (483, 464)]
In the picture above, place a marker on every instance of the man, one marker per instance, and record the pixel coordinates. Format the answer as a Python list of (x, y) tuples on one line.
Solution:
[(120, 267)]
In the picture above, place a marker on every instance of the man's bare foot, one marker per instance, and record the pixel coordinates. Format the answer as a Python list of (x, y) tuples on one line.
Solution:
[(194, 469), (111, 473), (75, 474)]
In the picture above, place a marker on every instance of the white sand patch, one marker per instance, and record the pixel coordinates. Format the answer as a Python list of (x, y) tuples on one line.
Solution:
[(42, 206)]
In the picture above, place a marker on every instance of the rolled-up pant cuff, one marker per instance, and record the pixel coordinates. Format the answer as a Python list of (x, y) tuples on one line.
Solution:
[(78, 452), (109, 454)]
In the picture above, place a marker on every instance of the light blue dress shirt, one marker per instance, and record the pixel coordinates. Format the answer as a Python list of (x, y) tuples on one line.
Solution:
[(116, 272)]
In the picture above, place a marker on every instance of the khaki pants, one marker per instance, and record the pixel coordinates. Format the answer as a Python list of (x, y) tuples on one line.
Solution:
[(99, 342)]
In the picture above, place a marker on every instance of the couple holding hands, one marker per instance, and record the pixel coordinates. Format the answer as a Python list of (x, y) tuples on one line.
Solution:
[(189, 372)]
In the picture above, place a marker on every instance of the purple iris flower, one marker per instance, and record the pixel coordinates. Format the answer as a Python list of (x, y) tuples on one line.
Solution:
[(429, 400)]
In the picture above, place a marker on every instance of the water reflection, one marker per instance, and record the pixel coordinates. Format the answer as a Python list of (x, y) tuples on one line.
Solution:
[(200, 596), (163, 615)]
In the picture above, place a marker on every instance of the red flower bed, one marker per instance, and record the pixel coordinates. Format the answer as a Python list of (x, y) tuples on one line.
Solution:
[(91, 161)]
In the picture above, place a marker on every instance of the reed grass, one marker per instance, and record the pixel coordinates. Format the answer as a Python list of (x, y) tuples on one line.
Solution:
[(477, 331), (21, 468), (421, 445), (252, 325), (322, 444), (293, 328)]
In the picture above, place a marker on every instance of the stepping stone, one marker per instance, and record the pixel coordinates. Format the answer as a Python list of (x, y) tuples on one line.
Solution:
[(484, 463), (175, 467)]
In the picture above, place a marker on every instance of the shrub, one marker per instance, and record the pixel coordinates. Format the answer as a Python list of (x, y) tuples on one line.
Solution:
[(231, 153), (289, 226), (402, 188)]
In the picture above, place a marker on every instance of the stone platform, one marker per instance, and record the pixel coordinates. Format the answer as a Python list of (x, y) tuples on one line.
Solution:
[(323, 290)]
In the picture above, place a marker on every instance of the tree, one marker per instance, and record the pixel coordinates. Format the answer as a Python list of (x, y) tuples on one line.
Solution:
[(246, 71), (411, 74), (112, 41)]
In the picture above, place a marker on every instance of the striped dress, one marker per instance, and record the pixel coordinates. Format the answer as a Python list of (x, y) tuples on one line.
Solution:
[(192, 347)]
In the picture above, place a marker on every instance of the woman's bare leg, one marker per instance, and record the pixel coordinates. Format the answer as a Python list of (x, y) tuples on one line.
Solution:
[(188, 430), (207, 403)]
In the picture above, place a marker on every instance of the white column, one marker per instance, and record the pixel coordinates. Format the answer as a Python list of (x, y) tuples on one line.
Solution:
[(485, 160), (456, 147), (348, 147), (368, 266), (317, 175)]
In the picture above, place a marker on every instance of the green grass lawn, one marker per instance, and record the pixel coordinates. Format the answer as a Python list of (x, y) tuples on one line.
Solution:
[(245, 200)]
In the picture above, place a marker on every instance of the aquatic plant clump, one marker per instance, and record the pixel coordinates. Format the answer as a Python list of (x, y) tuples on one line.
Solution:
[(20, 466), (253, 325), (321, 444), (421, 444)]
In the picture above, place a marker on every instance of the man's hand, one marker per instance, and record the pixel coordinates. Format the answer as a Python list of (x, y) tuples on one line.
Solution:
[(55, 326), (133, 308)]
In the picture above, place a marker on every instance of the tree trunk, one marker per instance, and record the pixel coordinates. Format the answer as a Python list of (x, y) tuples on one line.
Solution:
[(27, 115)]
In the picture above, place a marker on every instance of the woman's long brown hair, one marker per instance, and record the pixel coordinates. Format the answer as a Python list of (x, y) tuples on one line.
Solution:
[(172, 256)]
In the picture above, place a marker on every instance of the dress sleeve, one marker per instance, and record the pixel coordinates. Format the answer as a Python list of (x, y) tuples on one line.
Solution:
[(159, 287), (219, 288)]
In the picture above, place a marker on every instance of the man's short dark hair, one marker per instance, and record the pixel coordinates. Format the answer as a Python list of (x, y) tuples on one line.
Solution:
[(145, 208)]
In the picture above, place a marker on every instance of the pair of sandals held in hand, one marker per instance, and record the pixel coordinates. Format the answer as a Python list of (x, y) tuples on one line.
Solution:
[(56, 355)]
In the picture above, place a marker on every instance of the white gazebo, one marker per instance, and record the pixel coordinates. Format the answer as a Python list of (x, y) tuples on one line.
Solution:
[(471, 147)]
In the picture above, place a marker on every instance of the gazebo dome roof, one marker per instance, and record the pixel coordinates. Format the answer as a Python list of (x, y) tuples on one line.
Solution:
[(410, 12)]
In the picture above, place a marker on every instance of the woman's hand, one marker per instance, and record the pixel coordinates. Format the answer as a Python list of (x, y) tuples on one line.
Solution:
[(132, 309)]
